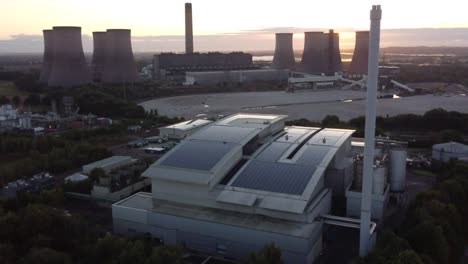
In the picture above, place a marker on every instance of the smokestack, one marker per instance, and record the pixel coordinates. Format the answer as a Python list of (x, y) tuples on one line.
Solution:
[(188, 29), (119, 65), (369, 148), (314, 57), (361, 53), (48, 57), (99, 55), (334, 55), (284, 54), (69, 66)]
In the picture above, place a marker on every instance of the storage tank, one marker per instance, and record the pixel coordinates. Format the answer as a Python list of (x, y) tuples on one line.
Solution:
[(398, 170), (48, 57), (69, 66), (284, 55), (358, 171), (378, 184)]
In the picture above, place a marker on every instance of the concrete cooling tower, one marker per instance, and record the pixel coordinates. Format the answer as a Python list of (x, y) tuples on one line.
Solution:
[(284, 55), (48, 57), (69, 66), (188, 29), (334, 57), (361, 54), (119, 64), (314, 58), (99, 55)]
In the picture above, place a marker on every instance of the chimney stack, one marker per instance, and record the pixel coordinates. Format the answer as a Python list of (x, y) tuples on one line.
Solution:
[(188, 29)]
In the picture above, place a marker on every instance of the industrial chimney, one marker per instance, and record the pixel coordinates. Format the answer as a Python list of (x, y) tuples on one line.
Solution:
[(119, 65), (334, 55), (69, 66), (188, 29), (284, 54), (99, 54), (369, 146), (314, 57), (361, 53), (48, 57)]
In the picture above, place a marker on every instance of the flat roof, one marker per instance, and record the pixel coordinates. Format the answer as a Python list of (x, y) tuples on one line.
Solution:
[(190, 124), (107, 161)]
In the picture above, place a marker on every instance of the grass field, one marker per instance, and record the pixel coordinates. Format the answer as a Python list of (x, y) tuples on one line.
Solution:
[(9, 89)]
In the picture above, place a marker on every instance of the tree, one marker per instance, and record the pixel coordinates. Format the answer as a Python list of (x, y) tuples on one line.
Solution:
[(33, 99), (270, 254), (46, 256), (16, 100), (4, 100), (331, 121), (97, 173), (165, 254), (408, 257)]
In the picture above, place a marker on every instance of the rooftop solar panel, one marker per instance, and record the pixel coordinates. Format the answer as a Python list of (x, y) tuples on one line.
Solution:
[(275, 177), (313, 155), (273, 151), (224, 133), (198, 155)]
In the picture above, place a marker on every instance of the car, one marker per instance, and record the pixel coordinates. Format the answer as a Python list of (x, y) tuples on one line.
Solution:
[(157, 139), (137, 143)]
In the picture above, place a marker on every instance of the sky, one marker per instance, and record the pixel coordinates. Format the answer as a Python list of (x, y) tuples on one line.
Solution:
[(226, 22)]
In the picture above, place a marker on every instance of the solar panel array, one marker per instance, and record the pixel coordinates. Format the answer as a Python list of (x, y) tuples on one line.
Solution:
[(273, 152), (223, 133), (275, 177), (198, 155), (313, 155)]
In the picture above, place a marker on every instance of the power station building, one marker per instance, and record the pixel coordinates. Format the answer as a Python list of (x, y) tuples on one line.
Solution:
[(48, 57), (170, 64), (284, 54), (243, 182), (99, 55), (239, 76), (321, 53), (69, 67), (359, 62)]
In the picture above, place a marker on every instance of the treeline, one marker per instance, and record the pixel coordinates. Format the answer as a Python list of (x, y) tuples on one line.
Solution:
[(437, 125), (38, 229), (23, 157), (434, 230)]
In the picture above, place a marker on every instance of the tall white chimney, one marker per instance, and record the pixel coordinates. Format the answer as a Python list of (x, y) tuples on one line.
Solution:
[(368, 170)]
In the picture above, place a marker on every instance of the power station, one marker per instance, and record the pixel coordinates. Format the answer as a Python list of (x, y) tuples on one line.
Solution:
[(360, 58), (69, 67), (99, 54), (119, 63), (284, 54), (314, 56), (334, 54), (48, 58)]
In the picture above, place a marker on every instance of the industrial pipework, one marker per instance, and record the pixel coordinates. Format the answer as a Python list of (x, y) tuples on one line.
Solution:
[(369, 148)]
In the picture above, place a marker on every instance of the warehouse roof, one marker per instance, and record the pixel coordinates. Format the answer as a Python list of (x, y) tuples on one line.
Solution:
[(190, 124), (451, 147)]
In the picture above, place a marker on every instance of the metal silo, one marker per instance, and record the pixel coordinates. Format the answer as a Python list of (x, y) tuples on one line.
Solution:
[(99, 54), (69, 67), (314, 57), (361, 53), (48, 57), (378, 183), (119, 66), (398, 170), (284, 54)]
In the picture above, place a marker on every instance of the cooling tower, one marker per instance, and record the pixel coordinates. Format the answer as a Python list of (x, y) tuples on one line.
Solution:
[(361, 53), (119, 66), (48, 57), (314, 58), (99, 55), (69, 66), (188, 29), (284, 55), (333, 58)]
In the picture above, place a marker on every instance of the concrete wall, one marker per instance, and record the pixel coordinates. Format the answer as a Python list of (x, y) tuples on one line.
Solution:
[(353, 204)]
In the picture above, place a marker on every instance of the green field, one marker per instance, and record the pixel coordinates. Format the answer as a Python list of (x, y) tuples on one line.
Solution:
[(9, 89)]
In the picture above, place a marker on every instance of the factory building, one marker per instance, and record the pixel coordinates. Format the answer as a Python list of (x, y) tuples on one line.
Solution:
[(69, 67), (447, 151), (284, 54), (171, 64), (242, 76), (183, 129), (243, 182)]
